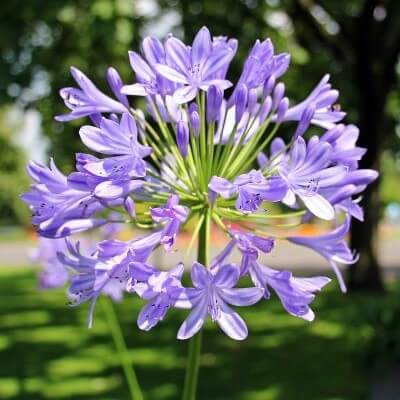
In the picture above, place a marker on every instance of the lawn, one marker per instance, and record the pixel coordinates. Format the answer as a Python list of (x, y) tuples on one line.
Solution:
[(46, 352)]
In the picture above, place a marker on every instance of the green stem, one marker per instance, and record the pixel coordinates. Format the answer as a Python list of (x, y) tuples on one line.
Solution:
[(193, 362), (133, 384)]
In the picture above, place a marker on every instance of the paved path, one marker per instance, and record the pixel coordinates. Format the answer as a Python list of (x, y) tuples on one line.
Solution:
[(285, 255)]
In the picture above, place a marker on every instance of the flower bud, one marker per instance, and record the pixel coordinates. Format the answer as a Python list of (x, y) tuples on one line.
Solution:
[(214, 101), (129, 207), (182, 137), (305, 120), (265, 109), (240, 102), (282, 108), (269, 85), (195, 122), (252, 101), (277, 95)]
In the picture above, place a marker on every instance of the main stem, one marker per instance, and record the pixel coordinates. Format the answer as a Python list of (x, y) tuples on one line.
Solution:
[(133, 384), (193, 362)]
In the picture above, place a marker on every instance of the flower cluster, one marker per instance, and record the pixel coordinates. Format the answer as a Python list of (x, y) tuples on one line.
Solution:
[(205, 150)]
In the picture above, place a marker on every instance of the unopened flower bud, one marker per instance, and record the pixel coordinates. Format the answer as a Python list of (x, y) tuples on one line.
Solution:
[(282, 108), (277, 95), (305, 120), (214, 101), (195, 122), (182, 137), (269, 84), (265, 108), (240, 102)]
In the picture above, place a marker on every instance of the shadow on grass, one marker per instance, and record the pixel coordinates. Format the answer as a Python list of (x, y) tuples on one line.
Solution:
[(46, 352)]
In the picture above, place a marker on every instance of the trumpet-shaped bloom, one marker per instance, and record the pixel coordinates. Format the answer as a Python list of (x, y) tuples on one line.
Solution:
[(195, 67), (306, 171), (53, 274), (173, 215), (332, 246), (321, 100), (211, 295), (97, 273), (60, 208), (156, 287), (251, 188), (88, 100)]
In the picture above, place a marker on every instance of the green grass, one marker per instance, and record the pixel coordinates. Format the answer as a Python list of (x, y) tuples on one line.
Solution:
[(46, 352)]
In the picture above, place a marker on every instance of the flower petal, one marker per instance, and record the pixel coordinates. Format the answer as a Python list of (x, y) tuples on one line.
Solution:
[(241, 296), (194, 321), (232, 323), (319, 206), (185, 94), (201, 47), (171, 74), (137, 89)]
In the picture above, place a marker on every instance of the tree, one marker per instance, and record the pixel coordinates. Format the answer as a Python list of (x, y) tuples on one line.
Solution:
[(40, 41), (366, 45)]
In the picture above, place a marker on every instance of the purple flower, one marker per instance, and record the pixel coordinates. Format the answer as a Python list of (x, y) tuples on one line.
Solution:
[(214, 101), (155, 286), (260, 65), (195, 67), (252, 189), (332, 246), (113, 138), (89, 100), (343, 140), (307, 170), (53, 274), (173, 215), (296, 294), (182, 137), (211, 294), (98, 273), (321, 100), (110, 179), (150, 81), (60, 208)]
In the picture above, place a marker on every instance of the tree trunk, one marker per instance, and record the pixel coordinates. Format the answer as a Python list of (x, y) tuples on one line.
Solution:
[(366, 273)]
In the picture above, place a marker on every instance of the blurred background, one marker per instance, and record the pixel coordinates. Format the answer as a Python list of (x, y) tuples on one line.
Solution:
[(351, 352)]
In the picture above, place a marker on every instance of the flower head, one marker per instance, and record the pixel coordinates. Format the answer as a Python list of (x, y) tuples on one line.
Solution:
[(190, 155)]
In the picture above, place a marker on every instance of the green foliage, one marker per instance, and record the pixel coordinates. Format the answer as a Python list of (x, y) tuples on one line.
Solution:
[(13, 178), (40, 41), (13, 181), (390, 179), (385, 318)]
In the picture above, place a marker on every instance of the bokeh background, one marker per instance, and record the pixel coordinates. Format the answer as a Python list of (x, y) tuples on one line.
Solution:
[(351, 352)]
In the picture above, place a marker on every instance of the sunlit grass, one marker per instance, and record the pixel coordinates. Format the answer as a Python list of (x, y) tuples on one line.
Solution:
[(46, 352)]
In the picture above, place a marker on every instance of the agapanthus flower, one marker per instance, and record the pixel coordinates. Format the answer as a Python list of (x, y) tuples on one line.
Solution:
[(173, 215), (53, 273), (251, 189), (189, 160), (319, 105), (295, 293), (307, 170), (332, 246), (212, 293), (195, 68), (59, 207), (88, 100), (98, 272), (159, 288)]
